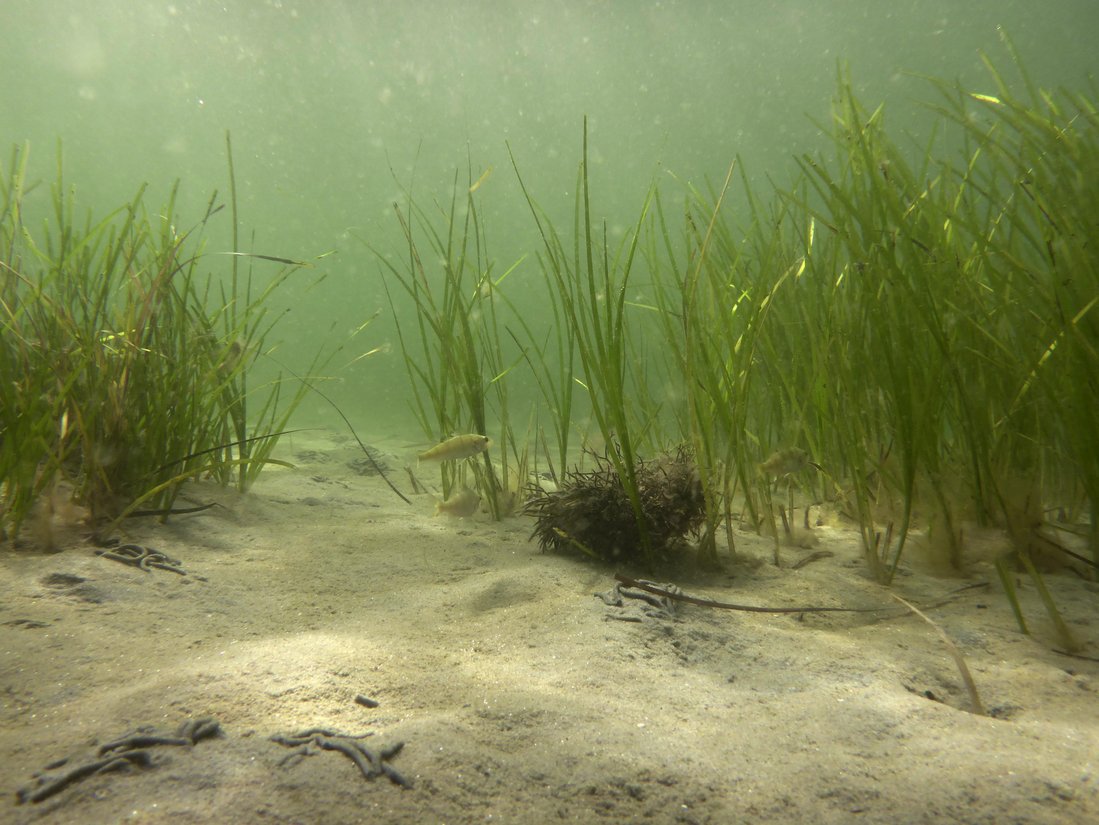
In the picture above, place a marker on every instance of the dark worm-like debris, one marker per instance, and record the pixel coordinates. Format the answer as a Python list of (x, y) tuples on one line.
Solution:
[(48, 787), (143, 558), (124, 753), (370, 763)]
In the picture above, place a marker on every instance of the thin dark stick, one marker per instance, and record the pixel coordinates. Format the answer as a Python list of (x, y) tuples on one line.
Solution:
[(679, 597), (168, 511)]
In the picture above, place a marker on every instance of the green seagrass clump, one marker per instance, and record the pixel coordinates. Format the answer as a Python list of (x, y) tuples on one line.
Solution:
[(592, 513)]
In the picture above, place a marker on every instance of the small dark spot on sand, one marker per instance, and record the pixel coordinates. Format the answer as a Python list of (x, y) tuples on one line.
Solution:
[(62, 580)]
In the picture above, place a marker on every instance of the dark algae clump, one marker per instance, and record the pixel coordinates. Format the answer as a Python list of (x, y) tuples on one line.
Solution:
[(592, 513)]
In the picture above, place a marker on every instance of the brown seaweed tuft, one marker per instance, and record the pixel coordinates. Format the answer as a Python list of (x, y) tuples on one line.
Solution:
[(591, 511)]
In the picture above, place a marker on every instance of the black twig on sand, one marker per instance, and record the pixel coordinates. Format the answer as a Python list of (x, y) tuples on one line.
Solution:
[(120, 754), (369, 762), (142, 558), (635, 604)]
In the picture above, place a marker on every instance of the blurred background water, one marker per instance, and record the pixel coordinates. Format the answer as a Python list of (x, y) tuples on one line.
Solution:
[(335, 107)]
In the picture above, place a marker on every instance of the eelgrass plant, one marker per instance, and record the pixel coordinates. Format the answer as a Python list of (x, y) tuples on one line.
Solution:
[(1037, 243), (715, 298), (887, 309), (122, 374), (455, 354), (920, 321), (934, 349), (590, 297)]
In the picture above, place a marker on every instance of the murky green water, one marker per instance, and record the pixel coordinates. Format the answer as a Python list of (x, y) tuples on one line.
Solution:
[(334, 107)]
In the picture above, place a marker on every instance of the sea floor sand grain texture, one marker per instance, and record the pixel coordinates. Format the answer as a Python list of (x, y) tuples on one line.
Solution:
[(519, 696)]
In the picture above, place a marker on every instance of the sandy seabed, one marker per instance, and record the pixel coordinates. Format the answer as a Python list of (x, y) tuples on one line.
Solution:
[(519, 696)]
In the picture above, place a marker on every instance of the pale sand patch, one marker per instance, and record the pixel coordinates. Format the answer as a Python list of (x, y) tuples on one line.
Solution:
[(518, 699)]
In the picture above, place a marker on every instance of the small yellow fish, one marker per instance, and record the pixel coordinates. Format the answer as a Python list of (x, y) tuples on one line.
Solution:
[(481, 180), (461, 504), (460, 446), (785, 462), (986, 98)]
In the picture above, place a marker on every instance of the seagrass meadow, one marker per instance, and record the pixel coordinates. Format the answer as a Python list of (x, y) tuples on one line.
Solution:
[(594, 411), (915, 324), (124, 366)]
